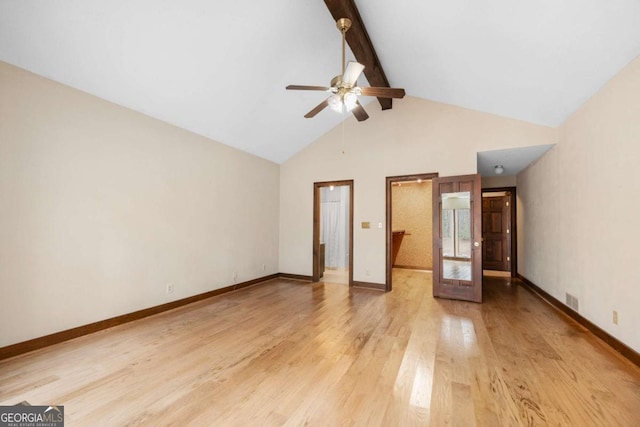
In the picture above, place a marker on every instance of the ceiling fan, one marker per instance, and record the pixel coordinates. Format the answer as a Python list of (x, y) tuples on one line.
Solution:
[(344, 87)]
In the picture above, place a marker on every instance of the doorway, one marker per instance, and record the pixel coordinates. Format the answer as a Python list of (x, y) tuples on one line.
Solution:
[(409, 228), (333, 231), (499, 248)]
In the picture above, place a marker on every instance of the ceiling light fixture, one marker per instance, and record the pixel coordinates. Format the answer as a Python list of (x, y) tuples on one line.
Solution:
[(335, 103), (344, 87), (343, 102), (350, 100), (498, 169)]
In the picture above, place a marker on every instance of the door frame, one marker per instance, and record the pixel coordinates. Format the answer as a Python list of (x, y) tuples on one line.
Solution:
[(389, 232), (514, 224), (315, 276)]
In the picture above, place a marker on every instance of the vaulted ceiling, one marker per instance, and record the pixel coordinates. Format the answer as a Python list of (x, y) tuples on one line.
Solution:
[(219, 69)]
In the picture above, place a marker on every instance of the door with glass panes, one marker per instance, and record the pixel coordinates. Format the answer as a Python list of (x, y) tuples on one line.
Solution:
[(457, 237)]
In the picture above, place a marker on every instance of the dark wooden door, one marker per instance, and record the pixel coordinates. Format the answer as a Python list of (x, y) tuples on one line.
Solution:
[(457, 233), (496, 224)]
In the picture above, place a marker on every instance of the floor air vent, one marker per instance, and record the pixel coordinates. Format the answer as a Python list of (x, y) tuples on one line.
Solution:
[(572, 301)]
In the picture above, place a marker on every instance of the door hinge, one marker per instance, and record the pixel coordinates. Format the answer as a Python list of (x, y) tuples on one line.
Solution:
[(507, 203), (507, 231), (508, 258)]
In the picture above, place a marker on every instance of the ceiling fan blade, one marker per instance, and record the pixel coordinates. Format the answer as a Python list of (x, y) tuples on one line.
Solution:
[(317, 109), (359, 112), (351, 73), (383, 92), (302, 87)]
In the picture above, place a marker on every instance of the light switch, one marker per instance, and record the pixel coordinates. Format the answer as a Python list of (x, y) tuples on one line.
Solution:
[(379, 225)]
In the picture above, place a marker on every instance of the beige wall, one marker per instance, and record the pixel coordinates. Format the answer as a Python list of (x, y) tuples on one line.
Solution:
[(411, 212), (498, 181), (578, 209), (102, 207), (416, 136)]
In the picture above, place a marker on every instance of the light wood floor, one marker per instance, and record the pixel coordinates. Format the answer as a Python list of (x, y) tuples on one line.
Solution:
[(293, 353), (336, 275)]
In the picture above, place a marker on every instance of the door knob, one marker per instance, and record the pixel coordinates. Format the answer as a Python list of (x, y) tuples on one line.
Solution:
[(476, 244)]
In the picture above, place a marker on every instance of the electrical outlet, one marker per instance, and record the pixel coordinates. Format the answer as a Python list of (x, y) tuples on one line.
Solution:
[(615, 317), (235, 276), (367, 273), (170, 288), (264, 267)]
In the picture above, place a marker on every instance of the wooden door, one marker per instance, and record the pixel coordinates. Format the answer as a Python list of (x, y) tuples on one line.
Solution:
[(496, 242), (457, 232)]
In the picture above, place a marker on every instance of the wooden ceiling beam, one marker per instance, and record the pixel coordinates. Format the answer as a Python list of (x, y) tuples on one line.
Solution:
[(360, 44)]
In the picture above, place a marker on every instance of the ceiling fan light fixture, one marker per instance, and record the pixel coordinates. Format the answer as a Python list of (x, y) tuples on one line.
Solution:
[(350, 101), (498, 169), (335, 103), (344, 87)]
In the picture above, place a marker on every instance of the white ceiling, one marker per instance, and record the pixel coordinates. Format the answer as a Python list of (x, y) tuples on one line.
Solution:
[(513, 160), (219, 69)]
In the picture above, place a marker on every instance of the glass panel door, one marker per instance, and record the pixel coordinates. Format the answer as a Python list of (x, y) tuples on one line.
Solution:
[(456, 235), (457, 205)]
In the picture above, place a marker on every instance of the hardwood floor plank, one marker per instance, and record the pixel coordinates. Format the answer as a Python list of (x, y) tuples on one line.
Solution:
[(293, 353)]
